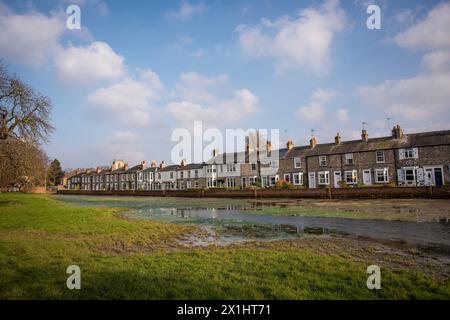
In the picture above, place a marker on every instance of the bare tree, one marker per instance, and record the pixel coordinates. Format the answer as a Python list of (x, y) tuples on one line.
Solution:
[(24, 112), (22, 165)]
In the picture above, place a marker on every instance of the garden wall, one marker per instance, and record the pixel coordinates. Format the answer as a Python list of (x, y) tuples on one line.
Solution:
[(342, 193)]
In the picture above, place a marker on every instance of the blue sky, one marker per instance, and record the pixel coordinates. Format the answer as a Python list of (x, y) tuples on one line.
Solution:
[(138, 69)]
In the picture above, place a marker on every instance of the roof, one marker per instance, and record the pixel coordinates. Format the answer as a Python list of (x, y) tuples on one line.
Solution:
[(382, 143), (192, 166), (151, 169), (172, 167)]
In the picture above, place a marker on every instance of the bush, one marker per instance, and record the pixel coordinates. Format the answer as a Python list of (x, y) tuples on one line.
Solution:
[(281, 184)]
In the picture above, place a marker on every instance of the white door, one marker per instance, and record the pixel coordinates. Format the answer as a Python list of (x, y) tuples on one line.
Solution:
[(337, 179), (367, 177), (429, 175), (312, 179)]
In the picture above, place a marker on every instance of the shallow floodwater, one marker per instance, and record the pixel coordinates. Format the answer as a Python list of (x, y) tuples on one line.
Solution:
[(229, 222)]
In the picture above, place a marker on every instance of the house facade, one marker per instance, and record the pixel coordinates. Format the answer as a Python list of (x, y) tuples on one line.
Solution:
[(418, 159)]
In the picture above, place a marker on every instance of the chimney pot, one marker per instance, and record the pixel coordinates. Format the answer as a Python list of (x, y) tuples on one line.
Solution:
[(289, 145), (337, 139), (364, 135), (397, 132), (183, 163), (312, 142)]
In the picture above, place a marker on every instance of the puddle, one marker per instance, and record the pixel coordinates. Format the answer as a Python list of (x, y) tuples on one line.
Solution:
[(233, 223)]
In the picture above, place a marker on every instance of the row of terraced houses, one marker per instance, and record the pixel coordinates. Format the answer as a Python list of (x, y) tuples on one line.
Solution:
[(418, 159)]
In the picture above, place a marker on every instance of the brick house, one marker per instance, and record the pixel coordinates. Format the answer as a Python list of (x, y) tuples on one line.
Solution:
[(400, 159), (417, 159)]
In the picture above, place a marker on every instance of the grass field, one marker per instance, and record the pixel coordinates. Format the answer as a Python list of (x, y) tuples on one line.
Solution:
[(133, 259)]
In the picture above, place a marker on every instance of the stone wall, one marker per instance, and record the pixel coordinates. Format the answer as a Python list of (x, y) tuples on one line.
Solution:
[(324, 193)]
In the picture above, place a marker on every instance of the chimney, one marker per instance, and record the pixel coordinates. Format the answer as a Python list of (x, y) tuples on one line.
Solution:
[(289, 145), (125, 166), (269, 148), (162, 164), (364, 135), (153, 165), (397, 132), (183, 163), (144, 165), (312, 142), (98, 169), (337, 139)]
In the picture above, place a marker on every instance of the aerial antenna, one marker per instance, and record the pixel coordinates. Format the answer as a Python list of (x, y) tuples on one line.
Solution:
[(364, 125), (312, 132), (389, 123), (285, 135)]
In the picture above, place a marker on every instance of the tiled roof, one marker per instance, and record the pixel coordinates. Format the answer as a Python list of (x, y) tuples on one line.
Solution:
[(408, 141)]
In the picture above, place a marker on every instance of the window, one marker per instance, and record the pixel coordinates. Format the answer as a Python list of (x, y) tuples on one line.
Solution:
[(379, 155), (322, 161), (196, 174), (171, 175), (297, 162), (349, 158), (231, 167), (287, 177), (159, 175), (297, 178), (410, 175), (351, 177), (324, 177), (231, 182), (411, 153), (381, 175), (181, 175), (253, 166), (189, 173)]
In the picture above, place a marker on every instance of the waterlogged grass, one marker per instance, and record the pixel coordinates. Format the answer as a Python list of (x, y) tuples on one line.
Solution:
[(128, 259)]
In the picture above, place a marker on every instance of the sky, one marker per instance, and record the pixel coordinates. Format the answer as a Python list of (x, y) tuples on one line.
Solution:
[(138, 70)]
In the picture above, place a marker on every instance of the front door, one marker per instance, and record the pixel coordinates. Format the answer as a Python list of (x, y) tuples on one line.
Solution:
[(429, 177), (367, 177), (337, 179), (438, 177), (312, 179)]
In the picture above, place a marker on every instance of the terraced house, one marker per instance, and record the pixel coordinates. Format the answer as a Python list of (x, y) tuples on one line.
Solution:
[(418, 159)]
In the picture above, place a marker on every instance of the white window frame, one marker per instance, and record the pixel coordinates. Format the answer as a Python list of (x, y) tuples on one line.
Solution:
[(385, 173), (297, 162), (349, 159), (379, 156), (297, 177), (354, 174), (323, 161), (325, 175)]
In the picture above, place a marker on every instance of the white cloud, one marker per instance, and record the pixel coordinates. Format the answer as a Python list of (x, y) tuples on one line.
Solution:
[(97, 61), (422, 99), (432, 32), (195, 87), (187, 10), (130, 101), (312, 112), (198, 101), (315, 110), (29, 39), (322, 95), (122, 144), (342, 115), (303, 41)]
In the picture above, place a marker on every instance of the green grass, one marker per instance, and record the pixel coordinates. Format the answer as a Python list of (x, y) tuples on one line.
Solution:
[(129, 259)]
